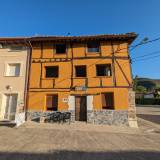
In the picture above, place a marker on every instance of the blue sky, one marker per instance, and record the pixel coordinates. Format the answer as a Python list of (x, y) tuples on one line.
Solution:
[(80, 17)]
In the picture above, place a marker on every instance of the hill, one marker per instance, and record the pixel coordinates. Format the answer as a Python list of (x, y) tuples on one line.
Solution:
[(148, 83)]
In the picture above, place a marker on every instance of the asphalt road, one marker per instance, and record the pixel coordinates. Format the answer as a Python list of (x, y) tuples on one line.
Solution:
[(79, 141)]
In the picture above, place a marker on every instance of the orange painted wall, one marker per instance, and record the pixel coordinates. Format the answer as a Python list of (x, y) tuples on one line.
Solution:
[(41, 86)]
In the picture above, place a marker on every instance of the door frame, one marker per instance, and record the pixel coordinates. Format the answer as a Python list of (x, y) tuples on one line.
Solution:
[(80, 96), (3, 104)]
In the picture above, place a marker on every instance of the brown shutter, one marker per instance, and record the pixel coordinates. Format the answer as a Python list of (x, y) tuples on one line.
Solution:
[(49, 102), (55, 102), (103, 100)]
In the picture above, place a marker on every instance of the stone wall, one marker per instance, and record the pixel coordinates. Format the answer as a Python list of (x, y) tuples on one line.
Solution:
[(35, 115), (132, 118), (109, 117)]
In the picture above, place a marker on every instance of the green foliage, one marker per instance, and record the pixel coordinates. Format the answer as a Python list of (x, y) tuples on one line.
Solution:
[(148, 101), (141, 89), (149, 85), (135, 81)]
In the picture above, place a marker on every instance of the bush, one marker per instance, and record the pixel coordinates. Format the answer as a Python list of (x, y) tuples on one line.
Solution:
[(148, 101)]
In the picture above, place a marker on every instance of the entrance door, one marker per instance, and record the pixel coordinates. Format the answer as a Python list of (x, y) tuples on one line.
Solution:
[(80, 108), (10, 106)]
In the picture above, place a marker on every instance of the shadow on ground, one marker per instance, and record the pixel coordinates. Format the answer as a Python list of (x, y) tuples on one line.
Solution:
[(149, 117), (80, 155)]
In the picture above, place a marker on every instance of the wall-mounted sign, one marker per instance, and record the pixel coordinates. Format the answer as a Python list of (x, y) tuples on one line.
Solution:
[(64, 100), (80, 88)]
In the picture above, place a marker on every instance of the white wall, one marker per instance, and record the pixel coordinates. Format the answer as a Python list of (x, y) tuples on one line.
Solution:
[(17, 83)]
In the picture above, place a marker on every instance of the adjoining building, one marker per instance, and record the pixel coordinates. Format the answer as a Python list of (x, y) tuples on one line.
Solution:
[(13, 80), (90, 76)]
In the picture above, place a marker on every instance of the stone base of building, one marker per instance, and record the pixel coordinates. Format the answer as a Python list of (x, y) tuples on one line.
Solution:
[(108, 117)]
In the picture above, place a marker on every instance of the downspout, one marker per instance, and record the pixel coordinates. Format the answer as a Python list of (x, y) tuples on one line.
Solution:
[(113, 66), (71, 45), (130, 61), (28, 66)]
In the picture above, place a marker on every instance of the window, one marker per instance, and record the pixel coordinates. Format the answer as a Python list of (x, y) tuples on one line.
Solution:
[(52, 71), (93, 47), (16, 48), (52, 102), (60, 48), (13, 69), (108, 100), (103, 70), (80, 71)]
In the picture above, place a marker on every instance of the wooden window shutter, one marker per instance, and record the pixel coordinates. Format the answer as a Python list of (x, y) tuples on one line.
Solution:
[(49, 101), (103, 100)]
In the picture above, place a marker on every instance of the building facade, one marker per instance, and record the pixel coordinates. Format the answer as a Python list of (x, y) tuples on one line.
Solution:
[(90, 76), (13, 74)]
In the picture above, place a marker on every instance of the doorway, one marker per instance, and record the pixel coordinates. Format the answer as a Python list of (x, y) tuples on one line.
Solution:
[(80, 108), (10, 106)]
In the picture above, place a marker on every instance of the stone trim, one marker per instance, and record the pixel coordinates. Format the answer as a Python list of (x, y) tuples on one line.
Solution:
[(132, 118), (89, 103)]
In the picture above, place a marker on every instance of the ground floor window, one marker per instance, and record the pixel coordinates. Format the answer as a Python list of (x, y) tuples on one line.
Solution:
[(52, 102), (108, 100)]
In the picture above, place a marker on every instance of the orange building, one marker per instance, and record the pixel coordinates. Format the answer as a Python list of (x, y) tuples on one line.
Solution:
[(90, 76)]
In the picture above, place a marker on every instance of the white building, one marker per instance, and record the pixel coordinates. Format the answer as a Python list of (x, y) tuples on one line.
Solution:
[(13, 80)]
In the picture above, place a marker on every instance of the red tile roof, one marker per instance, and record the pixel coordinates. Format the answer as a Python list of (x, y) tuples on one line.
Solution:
[(126, 37)]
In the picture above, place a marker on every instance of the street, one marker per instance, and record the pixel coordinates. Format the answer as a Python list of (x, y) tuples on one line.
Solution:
[(79, 141)]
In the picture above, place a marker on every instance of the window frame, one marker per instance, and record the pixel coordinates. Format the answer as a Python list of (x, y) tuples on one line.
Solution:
[(108, 64), (52, 109), (113, 101), (55, 48), (51, 67), (6, 70), (99, 48), (17, 48), (76, 71)]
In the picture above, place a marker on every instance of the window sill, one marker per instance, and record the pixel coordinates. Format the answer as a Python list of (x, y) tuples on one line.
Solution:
[(60, 53), (48, 78), (93, 52), (12, 76), (79, 77), (102, 76)]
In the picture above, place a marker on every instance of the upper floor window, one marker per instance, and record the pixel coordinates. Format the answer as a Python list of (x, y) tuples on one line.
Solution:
[(93, 47), (13, 69), (103, 70), (60, 48), (80, 71), (52, 71), (16, 48)]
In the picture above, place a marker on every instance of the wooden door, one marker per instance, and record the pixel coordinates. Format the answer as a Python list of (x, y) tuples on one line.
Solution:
[(80, 108)]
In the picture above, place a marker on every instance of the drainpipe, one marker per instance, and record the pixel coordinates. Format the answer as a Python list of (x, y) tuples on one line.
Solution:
[(28, 66)]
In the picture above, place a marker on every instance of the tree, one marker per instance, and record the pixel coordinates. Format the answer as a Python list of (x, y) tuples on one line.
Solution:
[(141, 89), (135, 81)]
